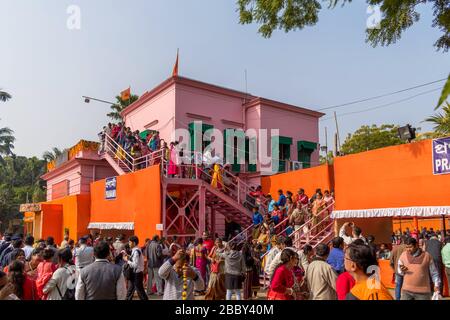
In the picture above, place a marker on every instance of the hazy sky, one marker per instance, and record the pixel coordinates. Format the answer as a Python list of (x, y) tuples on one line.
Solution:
[(47, 67)]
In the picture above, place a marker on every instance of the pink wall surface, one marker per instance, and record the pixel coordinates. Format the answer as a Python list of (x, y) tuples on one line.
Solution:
[(300, 127), (219, 107), (177, 102), (160, 108), (79, 183)]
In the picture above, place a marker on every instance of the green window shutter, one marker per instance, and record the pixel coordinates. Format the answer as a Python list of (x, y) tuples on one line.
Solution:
[(285, 140), (250, 167), (306, 145), (284, 145), (205, 127), (235, 167), (305, 149)]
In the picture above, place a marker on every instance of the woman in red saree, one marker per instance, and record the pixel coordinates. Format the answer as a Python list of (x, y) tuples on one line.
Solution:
[(283, 281), (173, 160)]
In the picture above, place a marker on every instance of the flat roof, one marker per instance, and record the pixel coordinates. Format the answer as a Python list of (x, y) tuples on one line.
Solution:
[(251, 99)]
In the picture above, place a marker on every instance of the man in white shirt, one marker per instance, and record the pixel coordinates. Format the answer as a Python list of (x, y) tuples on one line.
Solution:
[(136, 263), (356, 233), (101, 280), (28, 248), (302, 258), (83, 255), (273, 253)]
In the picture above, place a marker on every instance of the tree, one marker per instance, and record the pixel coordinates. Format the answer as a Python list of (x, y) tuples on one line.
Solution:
[(51, 155), (370, 138), (6, 142), (19, 183), (396, 17), (6, 134), (120, 106), (329, 158), (441, 121)]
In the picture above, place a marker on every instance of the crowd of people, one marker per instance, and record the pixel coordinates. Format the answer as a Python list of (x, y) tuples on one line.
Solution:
[(97, 268), (130, 141)]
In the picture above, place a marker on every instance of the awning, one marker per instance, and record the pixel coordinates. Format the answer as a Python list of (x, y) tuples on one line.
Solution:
[(111, 225), (306, 145), (392, 212)]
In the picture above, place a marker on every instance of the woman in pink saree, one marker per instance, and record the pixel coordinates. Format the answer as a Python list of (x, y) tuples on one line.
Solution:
[(173, 160)]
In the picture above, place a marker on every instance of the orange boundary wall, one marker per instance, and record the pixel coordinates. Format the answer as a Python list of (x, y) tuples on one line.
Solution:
[(397, 176), (138, 200), (308, 179), (392, 177)]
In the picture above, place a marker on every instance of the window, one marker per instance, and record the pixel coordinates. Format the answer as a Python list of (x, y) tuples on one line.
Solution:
[(235, 166), (250, 167), (305, 149), (205, 127), (283, 154)]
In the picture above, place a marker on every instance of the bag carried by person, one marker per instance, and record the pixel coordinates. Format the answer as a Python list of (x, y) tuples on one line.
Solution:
[(70, 290), (127, 271)]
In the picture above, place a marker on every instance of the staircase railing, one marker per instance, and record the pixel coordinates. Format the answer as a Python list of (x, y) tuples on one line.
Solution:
[(245, 188), (116, 151), (299, 235), (245, 232), (234, 188)]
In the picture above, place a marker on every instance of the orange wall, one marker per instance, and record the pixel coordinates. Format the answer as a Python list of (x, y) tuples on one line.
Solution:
[(308, 179), (52, 221), (138, 200), (75, 215), (398, 176)]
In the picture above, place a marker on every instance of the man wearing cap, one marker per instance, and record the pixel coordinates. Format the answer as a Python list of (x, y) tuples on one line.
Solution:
[(5, 257), (83, 255), (6, 242)]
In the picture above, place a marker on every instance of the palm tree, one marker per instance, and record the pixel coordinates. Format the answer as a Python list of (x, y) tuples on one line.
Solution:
[(441, 121), (6, 134), (6, 142), (52, 155), (4, 96), (120, 106)]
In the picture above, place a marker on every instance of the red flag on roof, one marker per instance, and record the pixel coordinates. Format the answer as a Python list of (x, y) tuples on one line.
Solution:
[(175, 67), (125, 95)]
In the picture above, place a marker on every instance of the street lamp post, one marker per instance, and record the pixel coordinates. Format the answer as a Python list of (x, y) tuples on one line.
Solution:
[(88, 100)]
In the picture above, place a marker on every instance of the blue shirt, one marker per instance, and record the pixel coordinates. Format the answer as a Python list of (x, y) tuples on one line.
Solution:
[(270, 206), (257, 218), (336, 260), (281, 200)]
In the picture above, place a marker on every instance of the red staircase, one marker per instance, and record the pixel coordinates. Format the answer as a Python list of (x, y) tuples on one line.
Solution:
[(195, 209)]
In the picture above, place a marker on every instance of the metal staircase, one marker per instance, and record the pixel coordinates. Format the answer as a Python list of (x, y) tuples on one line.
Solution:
[(186, 215)]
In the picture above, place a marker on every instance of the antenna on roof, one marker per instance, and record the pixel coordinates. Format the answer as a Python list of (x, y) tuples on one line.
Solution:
[(246, 85)]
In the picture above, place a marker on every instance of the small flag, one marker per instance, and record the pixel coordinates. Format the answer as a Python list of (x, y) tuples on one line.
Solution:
[(125, 95), (175, 67)]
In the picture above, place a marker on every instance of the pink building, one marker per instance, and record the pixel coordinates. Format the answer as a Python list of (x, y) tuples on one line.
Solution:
[(188, 206), (178, 102), (73, 176)]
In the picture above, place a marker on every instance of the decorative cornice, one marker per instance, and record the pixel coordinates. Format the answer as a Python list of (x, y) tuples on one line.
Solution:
[(197, 116), (232, 123), (282, 106)]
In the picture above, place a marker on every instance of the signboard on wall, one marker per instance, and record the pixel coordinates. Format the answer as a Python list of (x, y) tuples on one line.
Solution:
[(111, 188), (441, 156)]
